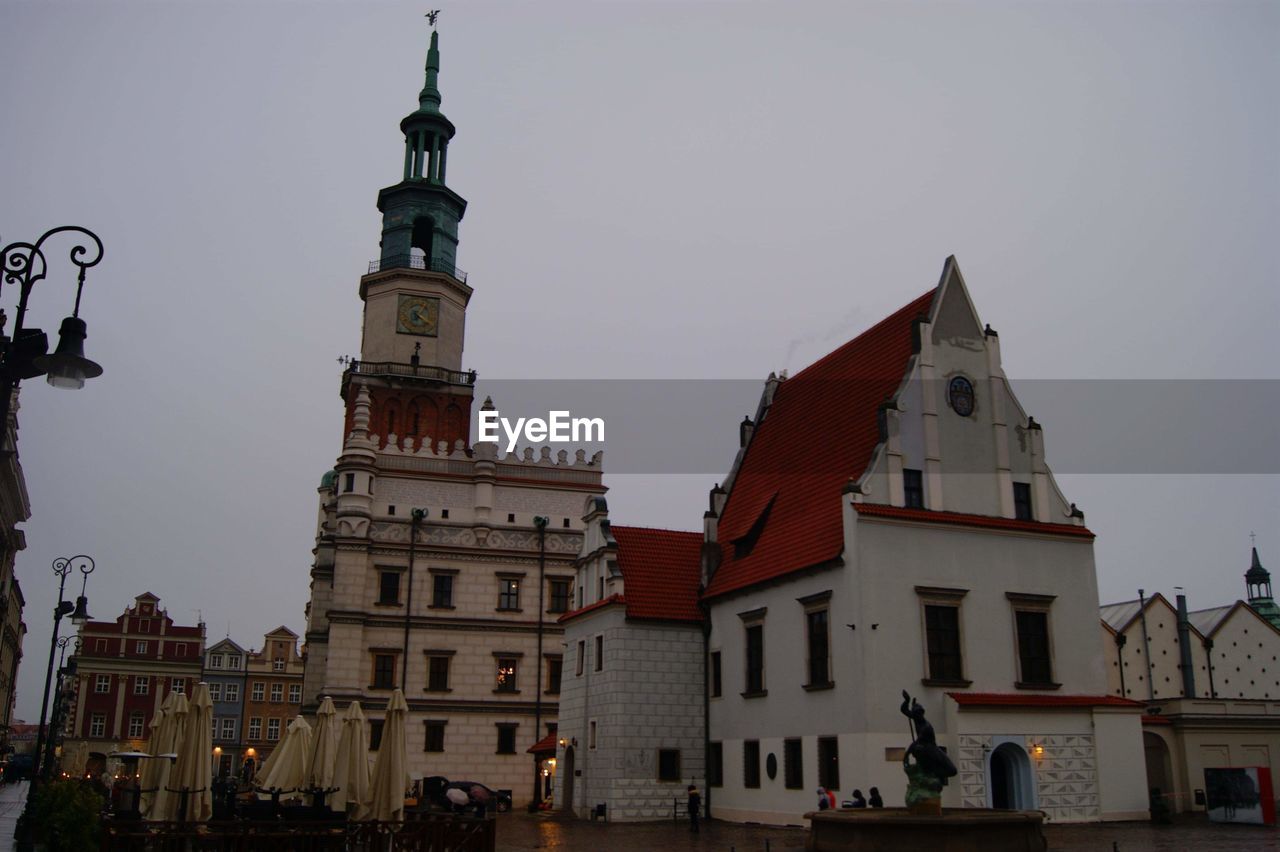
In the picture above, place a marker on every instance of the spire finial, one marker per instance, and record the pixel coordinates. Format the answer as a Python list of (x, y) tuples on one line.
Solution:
[(429, 97), (1253, 538)]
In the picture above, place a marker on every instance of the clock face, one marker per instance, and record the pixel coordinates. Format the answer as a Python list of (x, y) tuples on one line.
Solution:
[(418, 315), (960, 396)]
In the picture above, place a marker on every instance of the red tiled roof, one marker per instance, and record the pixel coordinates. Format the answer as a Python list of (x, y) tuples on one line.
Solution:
[(1148, 719), (591, 607), (661, 572), (962, 519), (1032, 701), (544, 745), (802, 475)]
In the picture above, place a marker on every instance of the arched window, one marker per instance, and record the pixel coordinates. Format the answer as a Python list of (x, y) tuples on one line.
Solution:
[(414, 424), (423, 237)]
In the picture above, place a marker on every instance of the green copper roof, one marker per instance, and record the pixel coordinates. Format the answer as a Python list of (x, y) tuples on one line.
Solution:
[(329, 480), (1256, 573), (429, 97)]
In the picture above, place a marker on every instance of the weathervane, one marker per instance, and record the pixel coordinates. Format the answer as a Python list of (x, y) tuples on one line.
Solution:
[(431, 17)]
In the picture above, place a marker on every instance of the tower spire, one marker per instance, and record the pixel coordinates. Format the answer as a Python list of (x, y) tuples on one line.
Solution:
[(429, 97)]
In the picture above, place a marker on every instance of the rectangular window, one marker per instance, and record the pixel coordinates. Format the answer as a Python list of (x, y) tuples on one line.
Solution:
[(100, 646), (259, 692), (142, 685), (141, 647), (508, 593), (715, 674), (582, 654), (829, 763), (715, 772), (228, 729), (507, 739), (559, 596), (97, 724), (442, 591), (755, 660), (273, 730), (277, 693), (295, 693), (215, 661), (233, 661), (349, 482), (102, 683), (1022, 501), (912, 489), (438, 674), (819, 641), (182, 649), (599, 653), (555, 667), (255, 728), (506, 675), (591, 735), (751, 764), (215, 692), (277, 665), (1033, 647), (135, 726), (389, 587), (233, 692), (375, 733), (793, 764), (178, 685), (942, 634), (434, 740), (384, 671), (669, 764)]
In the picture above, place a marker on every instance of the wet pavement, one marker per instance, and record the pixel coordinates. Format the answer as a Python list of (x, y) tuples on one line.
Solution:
[(521, 832)]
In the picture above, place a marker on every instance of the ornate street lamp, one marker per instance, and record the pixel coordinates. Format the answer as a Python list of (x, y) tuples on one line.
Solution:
[(61, 568), (24, 353)]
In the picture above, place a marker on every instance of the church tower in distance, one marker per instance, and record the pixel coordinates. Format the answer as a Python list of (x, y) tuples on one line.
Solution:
[(440, 567)]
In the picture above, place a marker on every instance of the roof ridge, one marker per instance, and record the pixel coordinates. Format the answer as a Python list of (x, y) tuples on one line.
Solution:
[(893, 317), (616, 527)]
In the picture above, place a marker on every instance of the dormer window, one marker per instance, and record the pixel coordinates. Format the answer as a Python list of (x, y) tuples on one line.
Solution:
[(743, 546)]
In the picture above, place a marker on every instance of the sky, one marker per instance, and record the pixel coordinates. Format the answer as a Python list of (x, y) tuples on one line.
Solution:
[(656, 190)]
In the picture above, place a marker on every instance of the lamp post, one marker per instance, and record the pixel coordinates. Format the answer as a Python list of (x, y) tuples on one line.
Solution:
[(79, 612), (58, 716), (23, 355), (541, 523)]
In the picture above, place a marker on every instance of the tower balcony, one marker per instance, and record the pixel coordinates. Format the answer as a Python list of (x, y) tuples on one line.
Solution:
[(409, 261), (413, 373)]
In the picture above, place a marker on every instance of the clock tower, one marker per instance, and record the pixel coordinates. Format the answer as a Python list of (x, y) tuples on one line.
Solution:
[(415, 297)]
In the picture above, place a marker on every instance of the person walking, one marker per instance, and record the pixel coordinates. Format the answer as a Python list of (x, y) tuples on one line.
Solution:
[(875, 801), (695, 808)]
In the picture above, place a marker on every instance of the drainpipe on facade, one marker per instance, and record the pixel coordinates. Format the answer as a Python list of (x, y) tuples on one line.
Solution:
[(1146, 644), (415, 521), (541, 523), (1208, 653), (706, 700), (1120, 640), (1184, 648)]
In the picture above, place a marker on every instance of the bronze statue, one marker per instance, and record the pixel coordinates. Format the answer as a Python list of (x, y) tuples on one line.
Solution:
[(932, 767)]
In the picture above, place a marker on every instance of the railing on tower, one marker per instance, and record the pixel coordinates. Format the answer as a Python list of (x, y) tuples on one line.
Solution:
[(418, 371), (413, 261)]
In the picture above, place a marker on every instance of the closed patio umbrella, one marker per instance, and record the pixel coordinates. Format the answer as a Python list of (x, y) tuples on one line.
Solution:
[(351, 766), (286, 768), (390, 769), (193, 771), (324, 746), (158, 773)]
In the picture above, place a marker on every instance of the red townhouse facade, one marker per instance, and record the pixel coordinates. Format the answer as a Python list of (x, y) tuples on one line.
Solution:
[(124, 671)]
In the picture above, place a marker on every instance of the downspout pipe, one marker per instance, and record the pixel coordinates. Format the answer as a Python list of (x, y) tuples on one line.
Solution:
[(1120, 641), (1184, 648)]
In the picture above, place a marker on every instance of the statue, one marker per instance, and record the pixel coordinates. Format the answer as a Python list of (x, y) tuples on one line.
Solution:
[(928, 775)]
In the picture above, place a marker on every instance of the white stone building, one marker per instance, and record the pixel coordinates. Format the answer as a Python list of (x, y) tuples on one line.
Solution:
[(632, 724), (1210, 682), (427, 560)]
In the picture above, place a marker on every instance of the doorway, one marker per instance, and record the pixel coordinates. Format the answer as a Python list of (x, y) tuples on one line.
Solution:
[(566, 803), (1159, 767), (1009, 778)]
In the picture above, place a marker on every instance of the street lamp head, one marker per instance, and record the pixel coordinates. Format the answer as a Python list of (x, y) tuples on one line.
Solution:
[(541, 522), (81, 614), (67, 367)]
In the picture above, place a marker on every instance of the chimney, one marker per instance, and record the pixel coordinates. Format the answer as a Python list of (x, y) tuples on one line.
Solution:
[(1184, 648)]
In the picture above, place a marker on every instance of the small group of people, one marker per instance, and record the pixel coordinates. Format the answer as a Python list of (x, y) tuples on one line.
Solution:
[(827, 799)]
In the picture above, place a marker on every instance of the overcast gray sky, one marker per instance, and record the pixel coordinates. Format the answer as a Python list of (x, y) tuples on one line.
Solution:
[(657, 190)]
